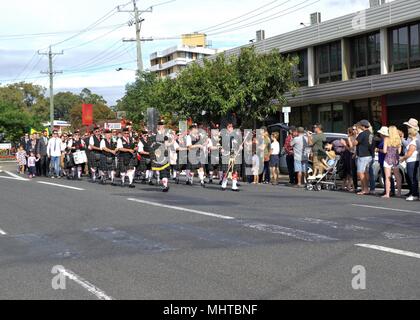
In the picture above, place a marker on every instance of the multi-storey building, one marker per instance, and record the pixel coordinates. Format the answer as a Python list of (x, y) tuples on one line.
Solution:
[(170, 62), (364, 65)]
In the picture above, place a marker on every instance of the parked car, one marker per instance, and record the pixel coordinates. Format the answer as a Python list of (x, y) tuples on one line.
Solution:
[(331, 137)]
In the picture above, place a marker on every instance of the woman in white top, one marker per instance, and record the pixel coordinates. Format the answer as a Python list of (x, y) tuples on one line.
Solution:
[(412, 159), (275, 158)]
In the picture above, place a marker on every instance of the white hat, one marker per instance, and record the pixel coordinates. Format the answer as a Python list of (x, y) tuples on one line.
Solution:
[(413, 123), (384, 131)]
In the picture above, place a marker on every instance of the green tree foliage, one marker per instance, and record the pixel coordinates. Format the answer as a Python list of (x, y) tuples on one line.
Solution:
[(63, 103), (251, 85), (14, 122)]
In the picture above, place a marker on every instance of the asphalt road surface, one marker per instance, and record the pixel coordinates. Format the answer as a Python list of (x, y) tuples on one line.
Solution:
[(265, 242)]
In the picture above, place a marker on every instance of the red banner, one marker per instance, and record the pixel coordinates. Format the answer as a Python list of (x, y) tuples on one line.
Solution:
[(87, 114)]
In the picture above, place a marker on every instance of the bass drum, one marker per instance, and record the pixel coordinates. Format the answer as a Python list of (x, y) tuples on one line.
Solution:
[(80, 157)]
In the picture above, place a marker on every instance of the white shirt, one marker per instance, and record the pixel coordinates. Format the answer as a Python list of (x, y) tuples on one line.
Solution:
[(275, 147), (54, 147), (415, 156), (140, 147)]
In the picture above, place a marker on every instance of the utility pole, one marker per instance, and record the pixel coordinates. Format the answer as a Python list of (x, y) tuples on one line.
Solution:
[(51, 73), (138, 21)]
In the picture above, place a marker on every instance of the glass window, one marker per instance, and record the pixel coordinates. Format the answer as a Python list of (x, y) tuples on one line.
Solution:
[(405, 53), (328, 62), (325, 116), (366, 55)]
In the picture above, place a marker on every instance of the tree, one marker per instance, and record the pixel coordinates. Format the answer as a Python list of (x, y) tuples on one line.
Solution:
[(63, 103), (263, 81), (14, 122)]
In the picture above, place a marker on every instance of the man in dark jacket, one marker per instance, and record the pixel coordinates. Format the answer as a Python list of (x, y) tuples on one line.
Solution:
[(41, 152)]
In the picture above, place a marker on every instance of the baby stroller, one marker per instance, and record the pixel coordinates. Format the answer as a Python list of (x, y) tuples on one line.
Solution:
[(327, 181)]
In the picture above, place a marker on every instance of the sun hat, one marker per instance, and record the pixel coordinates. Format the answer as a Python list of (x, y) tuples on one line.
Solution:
[(412, 123), (384, 131)]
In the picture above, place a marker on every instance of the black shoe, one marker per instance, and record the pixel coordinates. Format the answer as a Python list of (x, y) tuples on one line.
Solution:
[(235, 190), (132, 186), (210, 181), (113, 184), (221, 182), (165, 190), (150, 183), (188, 183), (177, 181), (223, 189), (203, 184)]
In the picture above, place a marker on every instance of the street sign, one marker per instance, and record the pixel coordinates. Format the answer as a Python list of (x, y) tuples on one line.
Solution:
[(287, 110), (113, 126), (286, 118), (5, 146)]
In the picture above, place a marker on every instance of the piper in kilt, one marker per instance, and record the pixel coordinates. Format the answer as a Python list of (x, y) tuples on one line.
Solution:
[(145, 163), (230, 153), (127, 160), (196, 155), (75, 145), (160, 161), (108, 160), (95, 153)]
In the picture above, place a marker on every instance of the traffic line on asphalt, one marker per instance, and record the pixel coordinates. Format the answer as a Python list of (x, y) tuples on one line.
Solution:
[(390, 250), (203, 213), (289, 232), (383, 208), (85, 284), (60, 185), (15, 176), (2, 233)]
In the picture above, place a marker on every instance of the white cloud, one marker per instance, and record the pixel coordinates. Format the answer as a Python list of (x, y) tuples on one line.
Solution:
[(172, 19)]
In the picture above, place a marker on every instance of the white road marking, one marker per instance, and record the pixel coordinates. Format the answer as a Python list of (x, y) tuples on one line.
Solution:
[(183, 209), (85, 284), (289, 232), (383, 208), (333, 224), (15, 176), (10, 178), (2, 233), (390, 250), (60, 185)]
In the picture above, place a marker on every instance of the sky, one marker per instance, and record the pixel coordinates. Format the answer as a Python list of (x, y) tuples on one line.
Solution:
[(90, 58)]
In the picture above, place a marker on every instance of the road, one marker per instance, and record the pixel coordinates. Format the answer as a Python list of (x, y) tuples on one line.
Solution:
[(265, 242)]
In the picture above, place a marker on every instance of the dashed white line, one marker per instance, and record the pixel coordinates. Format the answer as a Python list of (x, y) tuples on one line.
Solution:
[(10, 178), (183, 209), (289, 232), (2, 233), (60, 185), (383, 208), (390, 250), (85, 284)]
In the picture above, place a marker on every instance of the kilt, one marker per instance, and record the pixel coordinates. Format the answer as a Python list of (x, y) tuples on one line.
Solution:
[(144, 164), (236, 168), (126, 164), (93, 162), (69, 161), (164, 171), (108, 163)]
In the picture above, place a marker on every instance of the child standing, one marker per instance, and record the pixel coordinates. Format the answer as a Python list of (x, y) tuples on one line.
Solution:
[(256, 167), (21, 159), (32, 165)]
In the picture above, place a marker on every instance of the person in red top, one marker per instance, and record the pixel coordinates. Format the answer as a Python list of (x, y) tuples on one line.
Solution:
[(289, 155)]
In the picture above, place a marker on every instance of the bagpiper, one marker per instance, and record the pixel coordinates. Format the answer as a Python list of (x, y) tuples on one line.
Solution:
[(231, 149), (76, 145), (160, 160), (95, 153), (109, 159), (127, 160)]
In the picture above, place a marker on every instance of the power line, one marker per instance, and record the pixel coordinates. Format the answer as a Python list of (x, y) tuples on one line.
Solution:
[(257, 15), (241, 16), (105, 52), (48, 34), (95, 39), (268, 18)]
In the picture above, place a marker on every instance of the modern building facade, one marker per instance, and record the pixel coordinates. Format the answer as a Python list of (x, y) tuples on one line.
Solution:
[(170, 62), (364, 65)]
